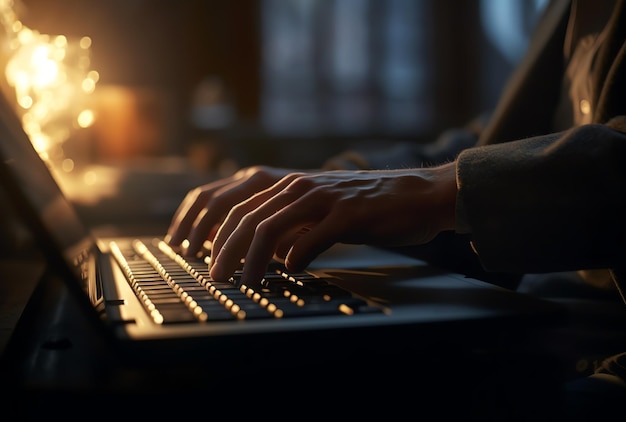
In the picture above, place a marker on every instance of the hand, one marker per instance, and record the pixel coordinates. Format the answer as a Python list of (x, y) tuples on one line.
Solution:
[(204, 208), (304, 214)]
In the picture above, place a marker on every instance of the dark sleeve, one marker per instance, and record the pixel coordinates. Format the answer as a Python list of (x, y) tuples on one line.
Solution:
[(549, 203), (409, 154)]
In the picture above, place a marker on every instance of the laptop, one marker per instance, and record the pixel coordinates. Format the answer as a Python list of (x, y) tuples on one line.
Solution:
[(151, 304)]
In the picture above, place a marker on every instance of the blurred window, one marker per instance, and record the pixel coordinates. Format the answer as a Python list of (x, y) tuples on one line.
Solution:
[(354, 67)]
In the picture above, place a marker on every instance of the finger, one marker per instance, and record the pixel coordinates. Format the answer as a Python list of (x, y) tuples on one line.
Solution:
[(233, 220), (285, 245), (285, 225), (189, 209), (264, 249), (312, 242), (231, 243), (239, 229), (185, 215), (237, 189), (227, 258), (237, 213), (200, 232), (210, 209), (212, 215)]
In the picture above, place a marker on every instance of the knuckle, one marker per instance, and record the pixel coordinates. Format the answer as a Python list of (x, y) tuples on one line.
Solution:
[(239, 212), (260, 175), (301, 183), (264, 229), (201, 194)]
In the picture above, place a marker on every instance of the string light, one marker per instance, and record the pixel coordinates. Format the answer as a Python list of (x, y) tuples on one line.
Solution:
[(51, 77)]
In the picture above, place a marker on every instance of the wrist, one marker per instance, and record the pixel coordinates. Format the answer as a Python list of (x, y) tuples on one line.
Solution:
[(444, 176)]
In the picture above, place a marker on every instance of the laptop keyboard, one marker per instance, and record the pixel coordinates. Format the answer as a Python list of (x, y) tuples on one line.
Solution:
[(176, 289)]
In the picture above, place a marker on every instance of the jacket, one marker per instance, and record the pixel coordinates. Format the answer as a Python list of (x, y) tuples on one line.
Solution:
[(535, 200)]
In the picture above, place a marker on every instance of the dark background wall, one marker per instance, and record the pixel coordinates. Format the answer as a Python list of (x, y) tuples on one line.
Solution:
[(170, 46)]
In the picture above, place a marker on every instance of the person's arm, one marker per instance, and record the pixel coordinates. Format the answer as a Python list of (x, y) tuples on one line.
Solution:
[(387, 155), (550, 203), (205, 207)]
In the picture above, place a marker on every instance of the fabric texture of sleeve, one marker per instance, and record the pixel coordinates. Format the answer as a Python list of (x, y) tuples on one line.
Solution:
[(409, 154), (548, 203)]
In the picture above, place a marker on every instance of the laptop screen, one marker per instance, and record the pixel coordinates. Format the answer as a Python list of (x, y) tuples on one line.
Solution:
[(38, 199)]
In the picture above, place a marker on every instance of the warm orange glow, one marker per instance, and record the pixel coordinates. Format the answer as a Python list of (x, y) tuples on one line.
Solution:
[(90, 178), (51, 79), (67, 165), (86, 118), (85, 43), (130, 121), (25, 101)]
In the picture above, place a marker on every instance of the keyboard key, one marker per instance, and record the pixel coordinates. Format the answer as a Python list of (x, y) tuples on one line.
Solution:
[(175, 289)]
